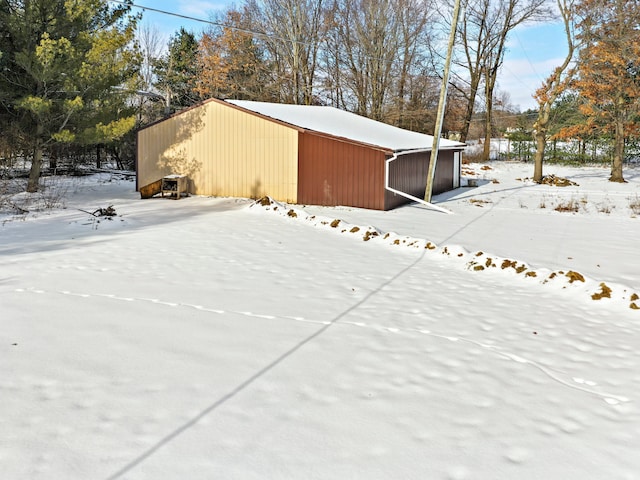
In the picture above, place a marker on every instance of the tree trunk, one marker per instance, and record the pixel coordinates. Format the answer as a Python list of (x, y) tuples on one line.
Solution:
[(471, 102), (36, 163), (555, 84), (539, 155), (486, 152), (618, 153), (540, 137), (53, 160), (490, 81)]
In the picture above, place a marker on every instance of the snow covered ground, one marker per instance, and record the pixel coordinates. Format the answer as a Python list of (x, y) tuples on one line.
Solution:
[(208, 338)]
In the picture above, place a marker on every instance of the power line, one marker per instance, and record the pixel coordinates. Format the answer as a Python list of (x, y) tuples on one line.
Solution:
[(274, 37), (215, 24), (526, 55), (164, 12)]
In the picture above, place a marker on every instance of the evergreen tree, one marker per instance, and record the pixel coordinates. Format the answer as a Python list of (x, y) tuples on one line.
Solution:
[(176, 72), (64, 69)]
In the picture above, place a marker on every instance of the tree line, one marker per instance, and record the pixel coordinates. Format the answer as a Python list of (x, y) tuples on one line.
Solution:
[(594, 94), (378, 58), (65, 70), (84, 74)]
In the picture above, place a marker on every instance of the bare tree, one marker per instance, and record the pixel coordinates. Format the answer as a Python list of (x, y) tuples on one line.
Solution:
[(366, 56), (474, 40), (292, 33), (376, 49), (483, 34), (415, 39), (331, 56), (554, 86), (370, 35), (151, 44)]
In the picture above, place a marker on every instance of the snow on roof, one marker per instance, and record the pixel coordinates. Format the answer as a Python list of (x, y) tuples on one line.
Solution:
[(339, 123)]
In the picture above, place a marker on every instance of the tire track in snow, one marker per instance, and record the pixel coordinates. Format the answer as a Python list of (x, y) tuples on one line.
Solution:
[(578, 383)]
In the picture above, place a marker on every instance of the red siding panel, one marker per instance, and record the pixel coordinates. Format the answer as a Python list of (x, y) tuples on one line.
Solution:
[(332, 172)]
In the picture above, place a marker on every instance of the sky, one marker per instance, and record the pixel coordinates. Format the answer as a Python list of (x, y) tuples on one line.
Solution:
[(533, 50), (209, 338)]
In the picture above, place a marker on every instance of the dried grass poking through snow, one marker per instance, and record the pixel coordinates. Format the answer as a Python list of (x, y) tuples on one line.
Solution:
[(476, 262)]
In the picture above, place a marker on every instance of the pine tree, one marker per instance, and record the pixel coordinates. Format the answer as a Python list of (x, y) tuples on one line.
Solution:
[(63, 69), (176, 72)]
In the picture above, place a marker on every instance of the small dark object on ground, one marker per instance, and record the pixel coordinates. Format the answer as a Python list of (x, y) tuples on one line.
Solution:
[(105, 212), (557, 181), (102, 212)]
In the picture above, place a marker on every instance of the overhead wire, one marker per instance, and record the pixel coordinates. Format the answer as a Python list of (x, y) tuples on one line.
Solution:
[(213, 23), (526, 56), (459, 78)]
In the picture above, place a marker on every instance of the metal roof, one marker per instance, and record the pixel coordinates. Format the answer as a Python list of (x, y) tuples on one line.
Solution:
[(343, 124)]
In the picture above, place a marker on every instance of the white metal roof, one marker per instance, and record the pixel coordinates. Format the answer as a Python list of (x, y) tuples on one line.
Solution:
[(339, 123)]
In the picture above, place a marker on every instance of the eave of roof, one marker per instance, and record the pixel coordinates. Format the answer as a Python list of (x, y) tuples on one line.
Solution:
[(221, 102), (332, 123), (346, 126)]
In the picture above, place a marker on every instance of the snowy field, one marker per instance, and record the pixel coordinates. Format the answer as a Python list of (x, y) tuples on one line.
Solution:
[(207, 338)]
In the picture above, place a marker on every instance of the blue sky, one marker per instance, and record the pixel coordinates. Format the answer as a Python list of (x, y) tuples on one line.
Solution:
[(191, 8), (533, 50)]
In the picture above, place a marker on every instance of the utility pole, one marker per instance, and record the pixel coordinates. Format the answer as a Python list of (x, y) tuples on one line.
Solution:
[(441, 104)]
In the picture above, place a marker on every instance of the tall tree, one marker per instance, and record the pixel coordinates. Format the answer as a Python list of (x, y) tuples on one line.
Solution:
[(61, 61), (554, 85), (415, 40), (292, 31), (483, 33), (369, 31), (375, 53), (609, 70), (151, 45), (474, 39), (176, 72), (231, 63)]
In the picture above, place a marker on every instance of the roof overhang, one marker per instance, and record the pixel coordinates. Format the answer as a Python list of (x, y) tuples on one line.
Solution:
[(244, 106)]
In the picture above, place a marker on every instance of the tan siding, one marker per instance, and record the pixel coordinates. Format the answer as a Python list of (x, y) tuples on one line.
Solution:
[(224, 151)]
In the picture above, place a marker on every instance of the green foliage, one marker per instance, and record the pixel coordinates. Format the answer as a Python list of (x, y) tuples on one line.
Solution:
[(521, 137), (176, 71), (107, 133), (64, 136), (38, 106), (63, 70), (565, 112)]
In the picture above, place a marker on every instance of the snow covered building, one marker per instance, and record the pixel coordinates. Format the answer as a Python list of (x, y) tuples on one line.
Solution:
[(293, 153)]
